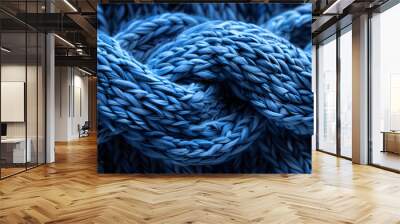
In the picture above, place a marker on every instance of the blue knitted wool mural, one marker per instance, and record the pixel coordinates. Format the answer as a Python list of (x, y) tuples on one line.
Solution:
[(204, 88)]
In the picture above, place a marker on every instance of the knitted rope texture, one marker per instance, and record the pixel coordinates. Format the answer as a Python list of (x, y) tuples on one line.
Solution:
[(195, 88)]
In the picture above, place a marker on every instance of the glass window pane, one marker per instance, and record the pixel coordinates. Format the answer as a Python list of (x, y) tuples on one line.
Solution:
[(22, 87), (31, 97), (41, 98), (13, 86), (385, 78), (346, 94), (327, 97)]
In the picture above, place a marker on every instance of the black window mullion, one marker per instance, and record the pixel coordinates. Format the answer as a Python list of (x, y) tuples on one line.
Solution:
[(37, 90), (0, 93), (26, 86), (317, 96), (338, 76), (369, 100)]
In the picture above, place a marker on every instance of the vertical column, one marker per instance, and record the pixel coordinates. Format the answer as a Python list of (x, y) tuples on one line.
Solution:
[(92, 103), (360, 90), (50, 92), (314, 88)]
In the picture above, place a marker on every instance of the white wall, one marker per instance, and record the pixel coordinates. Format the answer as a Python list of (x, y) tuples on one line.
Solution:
[(16, 72), (80, 110), (33, 127), (71, 94), (61, 103)]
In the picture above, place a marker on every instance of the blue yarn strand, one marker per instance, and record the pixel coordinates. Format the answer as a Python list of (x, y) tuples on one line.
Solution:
[(196, 88), (294, 25)]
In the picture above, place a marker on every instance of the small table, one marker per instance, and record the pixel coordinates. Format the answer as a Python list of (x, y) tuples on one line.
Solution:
[(16, 147), (391, 141)]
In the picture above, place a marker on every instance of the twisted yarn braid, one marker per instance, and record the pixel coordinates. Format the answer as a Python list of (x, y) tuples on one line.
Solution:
[(294, 25), (142, 37), (185, 93), (113, 18)]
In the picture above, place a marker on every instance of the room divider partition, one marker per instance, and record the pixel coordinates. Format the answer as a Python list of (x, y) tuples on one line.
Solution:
[(22, 77)]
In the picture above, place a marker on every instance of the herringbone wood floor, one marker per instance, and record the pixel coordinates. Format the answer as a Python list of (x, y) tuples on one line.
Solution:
[(70, 191)]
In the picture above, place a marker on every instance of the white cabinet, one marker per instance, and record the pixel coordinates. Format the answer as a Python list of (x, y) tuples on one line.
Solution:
[(19, 155)]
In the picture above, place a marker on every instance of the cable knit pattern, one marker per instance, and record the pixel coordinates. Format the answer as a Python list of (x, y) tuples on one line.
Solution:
[(204, 88)]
